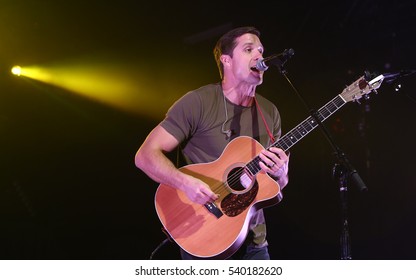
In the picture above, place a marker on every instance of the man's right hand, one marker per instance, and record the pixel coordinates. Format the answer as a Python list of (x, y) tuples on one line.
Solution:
[(199, 192)]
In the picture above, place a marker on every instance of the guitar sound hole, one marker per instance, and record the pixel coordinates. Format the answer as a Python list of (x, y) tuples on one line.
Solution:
[(239, 180)]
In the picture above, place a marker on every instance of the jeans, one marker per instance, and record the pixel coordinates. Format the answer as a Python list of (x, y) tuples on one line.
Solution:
[(246, 252)]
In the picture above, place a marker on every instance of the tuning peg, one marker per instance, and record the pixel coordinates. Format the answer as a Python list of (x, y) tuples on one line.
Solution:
[(367, 96)]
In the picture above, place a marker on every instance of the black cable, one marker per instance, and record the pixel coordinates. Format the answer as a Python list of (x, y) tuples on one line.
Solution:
[(158, 247)]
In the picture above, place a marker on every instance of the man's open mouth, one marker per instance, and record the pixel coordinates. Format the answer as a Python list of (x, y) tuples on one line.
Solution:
[(254, 69)]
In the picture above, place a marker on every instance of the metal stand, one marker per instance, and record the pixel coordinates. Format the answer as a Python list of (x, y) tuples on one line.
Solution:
[(343, 171), (340, 174)]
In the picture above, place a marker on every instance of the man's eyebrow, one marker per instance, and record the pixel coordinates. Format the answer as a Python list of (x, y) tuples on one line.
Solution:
[(247, 44)]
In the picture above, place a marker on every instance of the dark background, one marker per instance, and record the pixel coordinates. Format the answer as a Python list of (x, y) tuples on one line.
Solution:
[(68, 185)]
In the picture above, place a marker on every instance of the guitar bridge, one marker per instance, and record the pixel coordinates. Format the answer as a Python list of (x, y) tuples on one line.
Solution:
[(211, 207)]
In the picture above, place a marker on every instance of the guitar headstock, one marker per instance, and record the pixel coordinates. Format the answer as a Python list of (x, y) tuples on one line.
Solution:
[(361, 87)]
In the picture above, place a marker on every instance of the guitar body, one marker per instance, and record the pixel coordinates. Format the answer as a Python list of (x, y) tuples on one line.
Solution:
[(208, 234)]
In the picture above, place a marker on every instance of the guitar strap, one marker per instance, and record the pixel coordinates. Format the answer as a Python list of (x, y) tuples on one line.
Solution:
[(264, 121)]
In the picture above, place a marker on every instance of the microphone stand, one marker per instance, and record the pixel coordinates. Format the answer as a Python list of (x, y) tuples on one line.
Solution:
[(343, 171)]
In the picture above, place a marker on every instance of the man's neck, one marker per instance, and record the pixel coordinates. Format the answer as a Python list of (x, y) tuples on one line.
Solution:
[(241, 94)]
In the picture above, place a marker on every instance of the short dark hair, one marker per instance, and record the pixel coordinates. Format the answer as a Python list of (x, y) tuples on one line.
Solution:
[(227, 43)]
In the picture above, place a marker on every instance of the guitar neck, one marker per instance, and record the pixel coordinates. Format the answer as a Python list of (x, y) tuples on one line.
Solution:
[(297, 133)]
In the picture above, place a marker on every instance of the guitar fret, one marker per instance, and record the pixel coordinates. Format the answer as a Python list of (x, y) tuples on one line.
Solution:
[(339, 101), (301, 130), (285, 145), (253, 166), (325, 112), (312, 122), (320, 116), (296, 133), (332, 107), (290, 137), (304, 126)]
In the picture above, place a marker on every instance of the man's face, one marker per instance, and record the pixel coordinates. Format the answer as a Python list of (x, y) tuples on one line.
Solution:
[(245, 55)]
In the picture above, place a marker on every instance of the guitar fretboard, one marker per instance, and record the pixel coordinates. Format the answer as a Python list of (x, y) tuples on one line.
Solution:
[(301, 130)]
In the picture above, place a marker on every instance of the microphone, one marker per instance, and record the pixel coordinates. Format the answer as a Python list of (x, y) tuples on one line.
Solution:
[(275, 59), (392, 77)]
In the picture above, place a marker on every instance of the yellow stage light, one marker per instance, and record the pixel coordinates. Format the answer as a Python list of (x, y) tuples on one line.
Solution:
[(117, 83), (17, 70)]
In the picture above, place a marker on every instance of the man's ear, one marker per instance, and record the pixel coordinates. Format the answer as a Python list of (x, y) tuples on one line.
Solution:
[(225, 59)]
